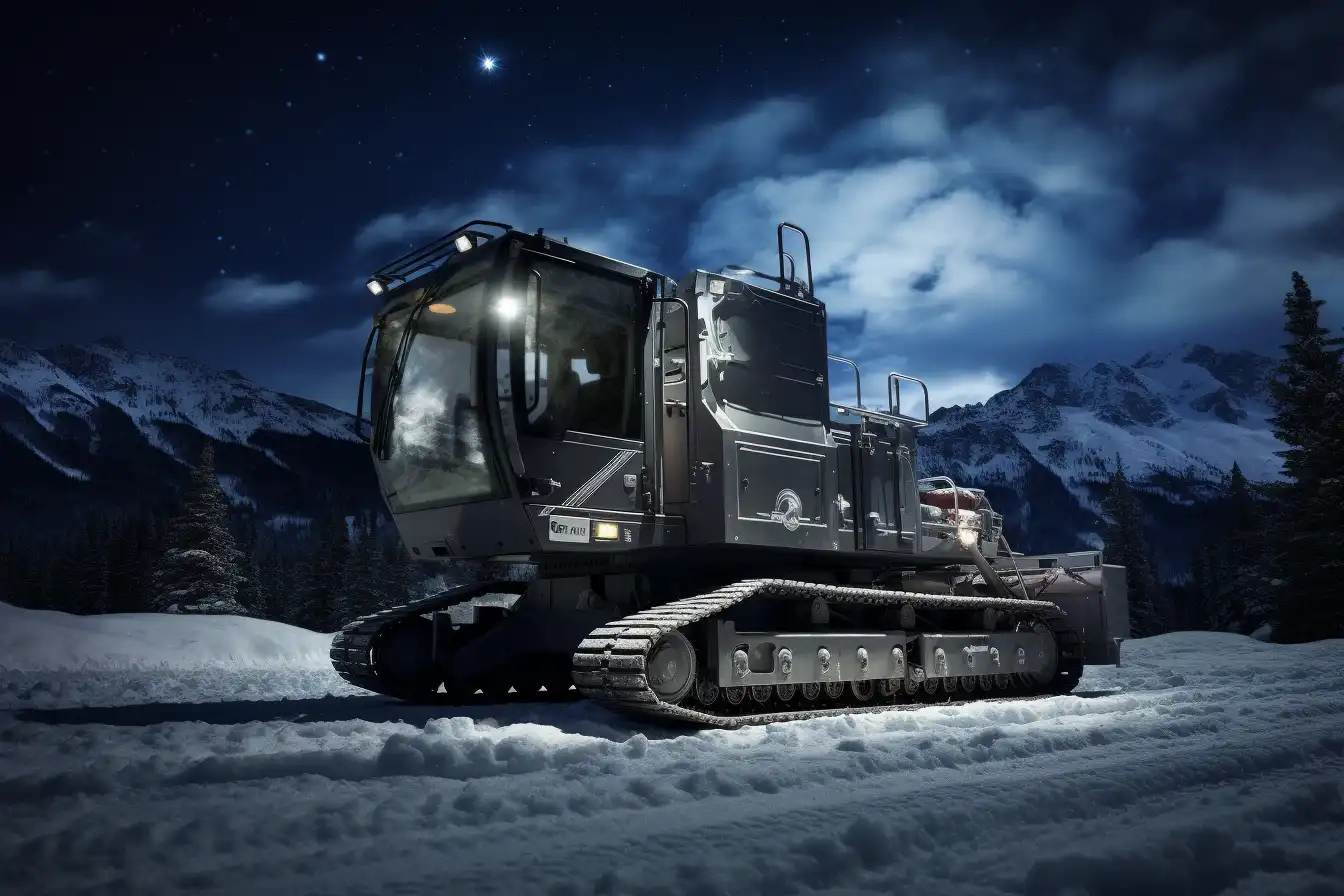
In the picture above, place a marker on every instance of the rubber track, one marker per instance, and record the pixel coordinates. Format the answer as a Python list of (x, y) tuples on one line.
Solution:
[(610, 664), (350, 646)]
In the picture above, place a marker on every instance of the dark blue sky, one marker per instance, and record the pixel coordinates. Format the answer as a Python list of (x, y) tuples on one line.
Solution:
[(988, 186)]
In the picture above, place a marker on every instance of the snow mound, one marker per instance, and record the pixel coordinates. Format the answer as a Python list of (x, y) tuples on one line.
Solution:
[(48, 641), (51, 660)]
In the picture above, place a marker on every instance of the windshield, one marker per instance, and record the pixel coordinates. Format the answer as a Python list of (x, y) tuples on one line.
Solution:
[(435, 448)]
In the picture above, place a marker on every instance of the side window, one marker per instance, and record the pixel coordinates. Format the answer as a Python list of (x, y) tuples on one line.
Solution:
[(581, 353)]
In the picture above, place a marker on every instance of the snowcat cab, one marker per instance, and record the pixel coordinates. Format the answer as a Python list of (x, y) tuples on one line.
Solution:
[(670, 452)]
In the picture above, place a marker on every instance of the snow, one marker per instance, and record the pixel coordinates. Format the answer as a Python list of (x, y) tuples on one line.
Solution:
[(235, 491), (51, 660), (41, 386), (72, 472), (1157, 415), (153, 389), (1208, 763)]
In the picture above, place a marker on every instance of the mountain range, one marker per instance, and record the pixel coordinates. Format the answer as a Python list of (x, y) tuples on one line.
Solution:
[(101, 424), (1044, 449)]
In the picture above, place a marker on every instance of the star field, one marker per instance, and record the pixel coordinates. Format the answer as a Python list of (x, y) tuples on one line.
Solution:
[(172, 154)]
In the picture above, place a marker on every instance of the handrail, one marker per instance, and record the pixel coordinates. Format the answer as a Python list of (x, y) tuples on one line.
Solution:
[(956, 498), (692, 385), (894, 398), (864, 412), (532, 405), (807, 248), (427, 255), (858, 380), (363, 376)]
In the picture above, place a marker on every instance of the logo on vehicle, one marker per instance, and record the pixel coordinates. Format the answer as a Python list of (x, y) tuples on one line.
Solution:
[(787, 509), (568, 528)]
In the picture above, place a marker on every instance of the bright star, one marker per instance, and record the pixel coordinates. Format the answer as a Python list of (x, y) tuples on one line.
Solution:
[(488, 63), (321, 57)]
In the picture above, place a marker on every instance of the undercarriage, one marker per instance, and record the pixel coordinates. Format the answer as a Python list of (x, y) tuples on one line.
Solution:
[(747, 653)]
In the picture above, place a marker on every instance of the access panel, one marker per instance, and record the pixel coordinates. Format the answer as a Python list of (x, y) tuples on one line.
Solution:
[(879, 516)]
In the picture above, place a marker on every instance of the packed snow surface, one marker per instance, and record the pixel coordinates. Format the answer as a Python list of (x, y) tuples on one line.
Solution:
[(1207, 764)]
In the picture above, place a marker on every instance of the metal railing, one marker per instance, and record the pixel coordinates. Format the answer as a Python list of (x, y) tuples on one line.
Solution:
[(894, 398), (893, 414), (858, 398)]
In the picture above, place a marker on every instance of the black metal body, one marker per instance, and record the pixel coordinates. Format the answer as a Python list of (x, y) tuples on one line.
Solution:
[(702, 448), (736, 443)]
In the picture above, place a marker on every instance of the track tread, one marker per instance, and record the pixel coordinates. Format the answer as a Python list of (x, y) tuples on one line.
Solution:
[(609, 666), (601, 663)]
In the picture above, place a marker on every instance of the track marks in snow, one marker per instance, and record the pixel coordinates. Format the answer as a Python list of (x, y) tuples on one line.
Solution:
[(1226, 757)]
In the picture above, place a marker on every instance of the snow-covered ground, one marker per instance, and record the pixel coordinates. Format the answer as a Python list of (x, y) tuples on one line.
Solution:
[(51, 660), (1208, 764)]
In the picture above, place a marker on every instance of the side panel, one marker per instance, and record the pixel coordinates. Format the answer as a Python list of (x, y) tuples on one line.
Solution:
[(592, 472), (1115, 594), (846, 499), (779, 493), (1093, 595), (880, 511), (779, 487)]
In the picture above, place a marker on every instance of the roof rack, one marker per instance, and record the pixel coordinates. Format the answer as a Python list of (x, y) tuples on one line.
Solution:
[(435, 253)]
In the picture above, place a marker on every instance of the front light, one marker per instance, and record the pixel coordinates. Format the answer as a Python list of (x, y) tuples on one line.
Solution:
[(507, 308), (463, 243), (376, 286), (608, 531)]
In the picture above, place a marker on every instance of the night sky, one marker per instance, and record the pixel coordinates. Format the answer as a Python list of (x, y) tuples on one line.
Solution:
[(988, 186)]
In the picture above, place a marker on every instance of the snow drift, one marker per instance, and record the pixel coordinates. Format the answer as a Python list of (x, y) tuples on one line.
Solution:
[(44, 640), (48, 659)]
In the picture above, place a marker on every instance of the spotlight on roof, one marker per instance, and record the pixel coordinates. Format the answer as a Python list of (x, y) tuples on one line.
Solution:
[(463, 243), (377, 286)]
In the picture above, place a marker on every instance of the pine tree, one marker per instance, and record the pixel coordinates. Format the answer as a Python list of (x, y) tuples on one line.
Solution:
[(1195, 612), (399, 573), (1126, 545), (275, 586), (199, 570), (1240, 602), (1308, 517), (360, 591), (322, 575)]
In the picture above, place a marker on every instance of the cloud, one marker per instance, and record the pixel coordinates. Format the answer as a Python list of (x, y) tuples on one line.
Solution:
[(344, 339), (20, 289), (1253, 214), (1172, 91), (620, 182), (973, 215), (253, 293)]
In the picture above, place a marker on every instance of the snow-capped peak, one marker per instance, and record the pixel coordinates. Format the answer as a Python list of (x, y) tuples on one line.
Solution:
[(1178, 420), (152, 389)]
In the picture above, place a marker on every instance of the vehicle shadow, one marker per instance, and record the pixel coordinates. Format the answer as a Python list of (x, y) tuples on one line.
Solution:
[(563, 711)]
